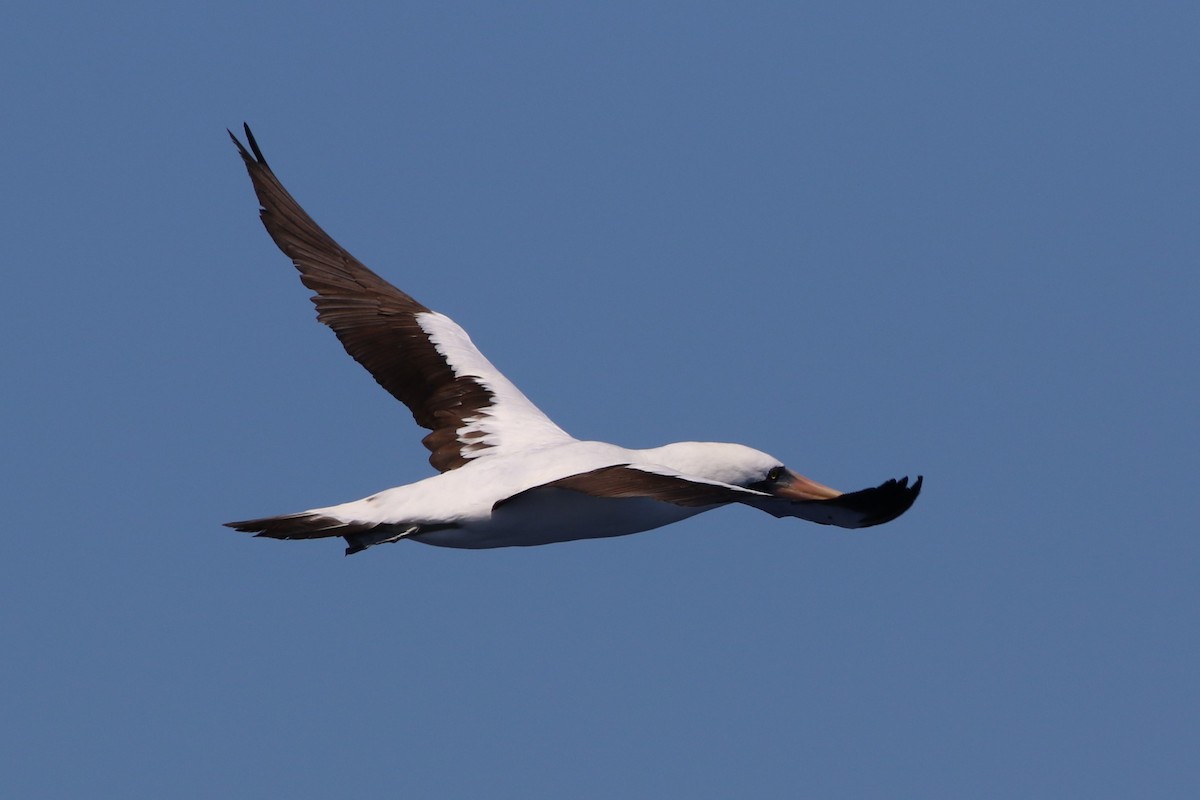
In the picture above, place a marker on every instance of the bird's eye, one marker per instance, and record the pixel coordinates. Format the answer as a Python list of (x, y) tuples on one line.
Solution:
[(775, 473)]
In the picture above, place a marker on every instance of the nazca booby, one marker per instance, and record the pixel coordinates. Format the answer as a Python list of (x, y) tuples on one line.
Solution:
[(508, 475)]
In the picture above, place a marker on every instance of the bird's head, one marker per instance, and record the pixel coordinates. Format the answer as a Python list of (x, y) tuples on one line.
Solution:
[(742, 466)]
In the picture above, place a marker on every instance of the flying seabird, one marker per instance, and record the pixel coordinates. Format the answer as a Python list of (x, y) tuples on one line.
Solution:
[(508, 476)]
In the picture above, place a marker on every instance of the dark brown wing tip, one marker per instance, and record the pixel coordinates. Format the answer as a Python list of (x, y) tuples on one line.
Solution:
[(257, 157), (884, 502)]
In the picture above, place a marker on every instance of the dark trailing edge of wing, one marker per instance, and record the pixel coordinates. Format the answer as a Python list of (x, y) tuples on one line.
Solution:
[(375, 322)]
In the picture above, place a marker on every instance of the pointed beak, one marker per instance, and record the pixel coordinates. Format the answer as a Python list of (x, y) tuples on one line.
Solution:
[(797, 487)]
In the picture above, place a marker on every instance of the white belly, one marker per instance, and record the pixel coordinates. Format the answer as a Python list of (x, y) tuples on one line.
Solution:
[(559, 516)]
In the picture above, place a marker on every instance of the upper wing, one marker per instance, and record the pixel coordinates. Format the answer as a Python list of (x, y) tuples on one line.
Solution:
[(860, 509), (422, 358)]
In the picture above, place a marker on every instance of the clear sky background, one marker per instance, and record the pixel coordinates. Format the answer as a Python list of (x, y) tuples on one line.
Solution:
[(873, 239)]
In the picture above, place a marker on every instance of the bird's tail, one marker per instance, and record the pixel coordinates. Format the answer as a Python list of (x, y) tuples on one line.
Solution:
[(312, 525)]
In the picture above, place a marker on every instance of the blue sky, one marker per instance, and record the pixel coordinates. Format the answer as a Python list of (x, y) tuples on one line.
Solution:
[(873, 239)]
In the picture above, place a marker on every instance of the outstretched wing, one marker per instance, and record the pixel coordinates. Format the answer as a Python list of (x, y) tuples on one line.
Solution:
[(421, 357), (860, 509)]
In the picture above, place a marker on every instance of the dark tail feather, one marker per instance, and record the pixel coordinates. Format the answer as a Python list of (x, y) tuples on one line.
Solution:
[(298, 526), (358, 535)]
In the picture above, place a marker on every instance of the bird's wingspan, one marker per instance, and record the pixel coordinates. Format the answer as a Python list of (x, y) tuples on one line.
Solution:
[(421, 357)]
